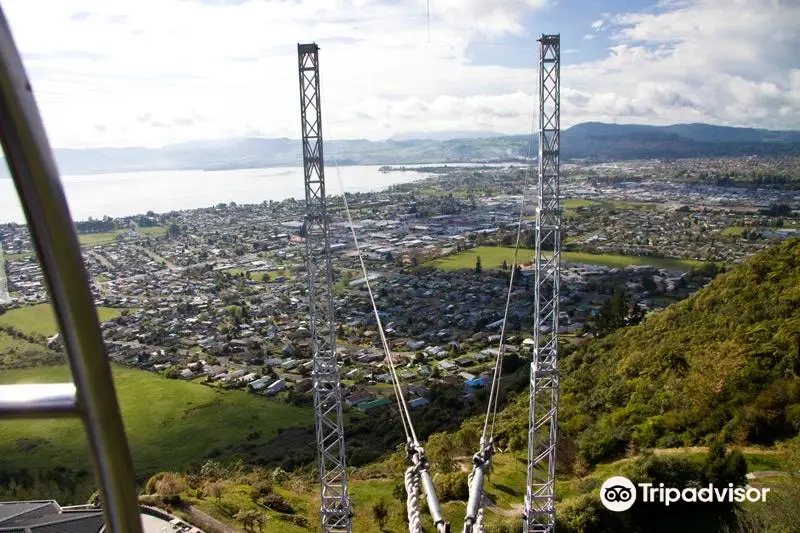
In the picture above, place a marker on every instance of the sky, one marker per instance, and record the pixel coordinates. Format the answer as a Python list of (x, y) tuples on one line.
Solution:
[(155, 72)]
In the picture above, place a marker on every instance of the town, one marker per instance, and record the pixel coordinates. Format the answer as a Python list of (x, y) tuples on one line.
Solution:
[(217, 295)]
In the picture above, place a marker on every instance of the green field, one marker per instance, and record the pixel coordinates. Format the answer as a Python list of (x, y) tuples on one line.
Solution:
[(40, 318), (493, 256), (93, 239), (152, 231), (258, 276), (17, 257), (733, 231), (574, 203), (171, 424)]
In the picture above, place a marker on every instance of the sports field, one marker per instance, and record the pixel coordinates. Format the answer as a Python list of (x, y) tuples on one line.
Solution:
[(93, 239), (493, 257)]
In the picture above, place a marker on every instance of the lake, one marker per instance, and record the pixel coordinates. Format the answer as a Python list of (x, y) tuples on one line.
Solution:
[(134, 193)]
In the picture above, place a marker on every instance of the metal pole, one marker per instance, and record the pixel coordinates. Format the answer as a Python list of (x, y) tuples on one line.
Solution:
[(36, 179), (540, 511), (335, 513)]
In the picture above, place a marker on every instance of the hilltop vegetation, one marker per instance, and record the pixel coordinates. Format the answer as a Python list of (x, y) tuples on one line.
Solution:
[(724, 362)]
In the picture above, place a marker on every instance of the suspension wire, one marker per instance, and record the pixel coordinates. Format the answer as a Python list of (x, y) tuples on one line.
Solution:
[(491, 408), (429, 21), (405, 415)]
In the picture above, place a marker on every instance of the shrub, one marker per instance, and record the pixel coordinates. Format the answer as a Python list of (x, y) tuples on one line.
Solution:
[(277, 503), (452, 486)]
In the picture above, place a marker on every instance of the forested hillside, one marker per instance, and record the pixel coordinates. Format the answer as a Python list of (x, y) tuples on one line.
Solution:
[(724, 362)]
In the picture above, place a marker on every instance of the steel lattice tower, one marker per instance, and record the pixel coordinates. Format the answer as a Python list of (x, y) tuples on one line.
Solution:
[(4, 297), (334, 504), (540, 512)]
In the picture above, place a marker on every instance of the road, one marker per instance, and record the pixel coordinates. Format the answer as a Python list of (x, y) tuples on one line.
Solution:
[(155, 257)]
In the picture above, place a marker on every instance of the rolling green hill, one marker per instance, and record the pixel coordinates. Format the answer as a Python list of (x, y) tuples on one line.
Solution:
[(590, 140), (724, 362), (170, 424)]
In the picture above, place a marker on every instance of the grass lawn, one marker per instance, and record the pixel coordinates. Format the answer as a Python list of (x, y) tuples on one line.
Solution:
[(16, 257), (153, 231), (39, 318), (171, 424), (257, 276), (105, 237), (574, 203), (493, 256), (733, 231), (569, 207)]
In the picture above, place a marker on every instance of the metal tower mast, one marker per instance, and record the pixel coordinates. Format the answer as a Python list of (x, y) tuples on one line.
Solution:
[(334, 504), (4, 297), (540, 511)]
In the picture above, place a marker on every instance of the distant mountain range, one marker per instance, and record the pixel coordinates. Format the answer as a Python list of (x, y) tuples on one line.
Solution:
[(590, 140)]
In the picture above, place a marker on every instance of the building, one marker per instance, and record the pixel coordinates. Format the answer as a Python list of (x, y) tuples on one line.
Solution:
[(46, 516)]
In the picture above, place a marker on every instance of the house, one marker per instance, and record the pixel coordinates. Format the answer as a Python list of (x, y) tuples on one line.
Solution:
[(247, 378), (464, 361), (380, 402), (358, 398), (475, 383), (416, 403), (259, 384), (276, 387)]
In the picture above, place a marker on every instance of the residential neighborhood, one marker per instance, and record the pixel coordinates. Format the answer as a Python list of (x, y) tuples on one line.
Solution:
[(218, 295)]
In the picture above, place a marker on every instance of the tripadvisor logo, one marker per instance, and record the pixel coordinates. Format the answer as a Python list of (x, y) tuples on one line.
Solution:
[(618, 494)]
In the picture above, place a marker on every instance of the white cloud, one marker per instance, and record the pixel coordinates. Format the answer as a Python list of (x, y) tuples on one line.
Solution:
[(150, 72), (733, 62)]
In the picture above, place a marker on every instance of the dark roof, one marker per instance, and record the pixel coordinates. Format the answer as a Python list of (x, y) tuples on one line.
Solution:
[(47, 517), (15, 513)]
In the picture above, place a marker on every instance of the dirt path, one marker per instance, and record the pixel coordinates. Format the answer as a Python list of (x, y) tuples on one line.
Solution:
[(704, 449), (766, 473), (206, 522)]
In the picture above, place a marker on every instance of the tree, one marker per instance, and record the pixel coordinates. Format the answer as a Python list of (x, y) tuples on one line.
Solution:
[(247, 517), (478, 267), (380, 511), (170, 484), (174, 230), (260, 521), (215, 490), (617, 312)]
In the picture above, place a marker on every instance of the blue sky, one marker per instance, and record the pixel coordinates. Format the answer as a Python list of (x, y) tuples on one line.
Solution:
[(573, 19), (153, 72)]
